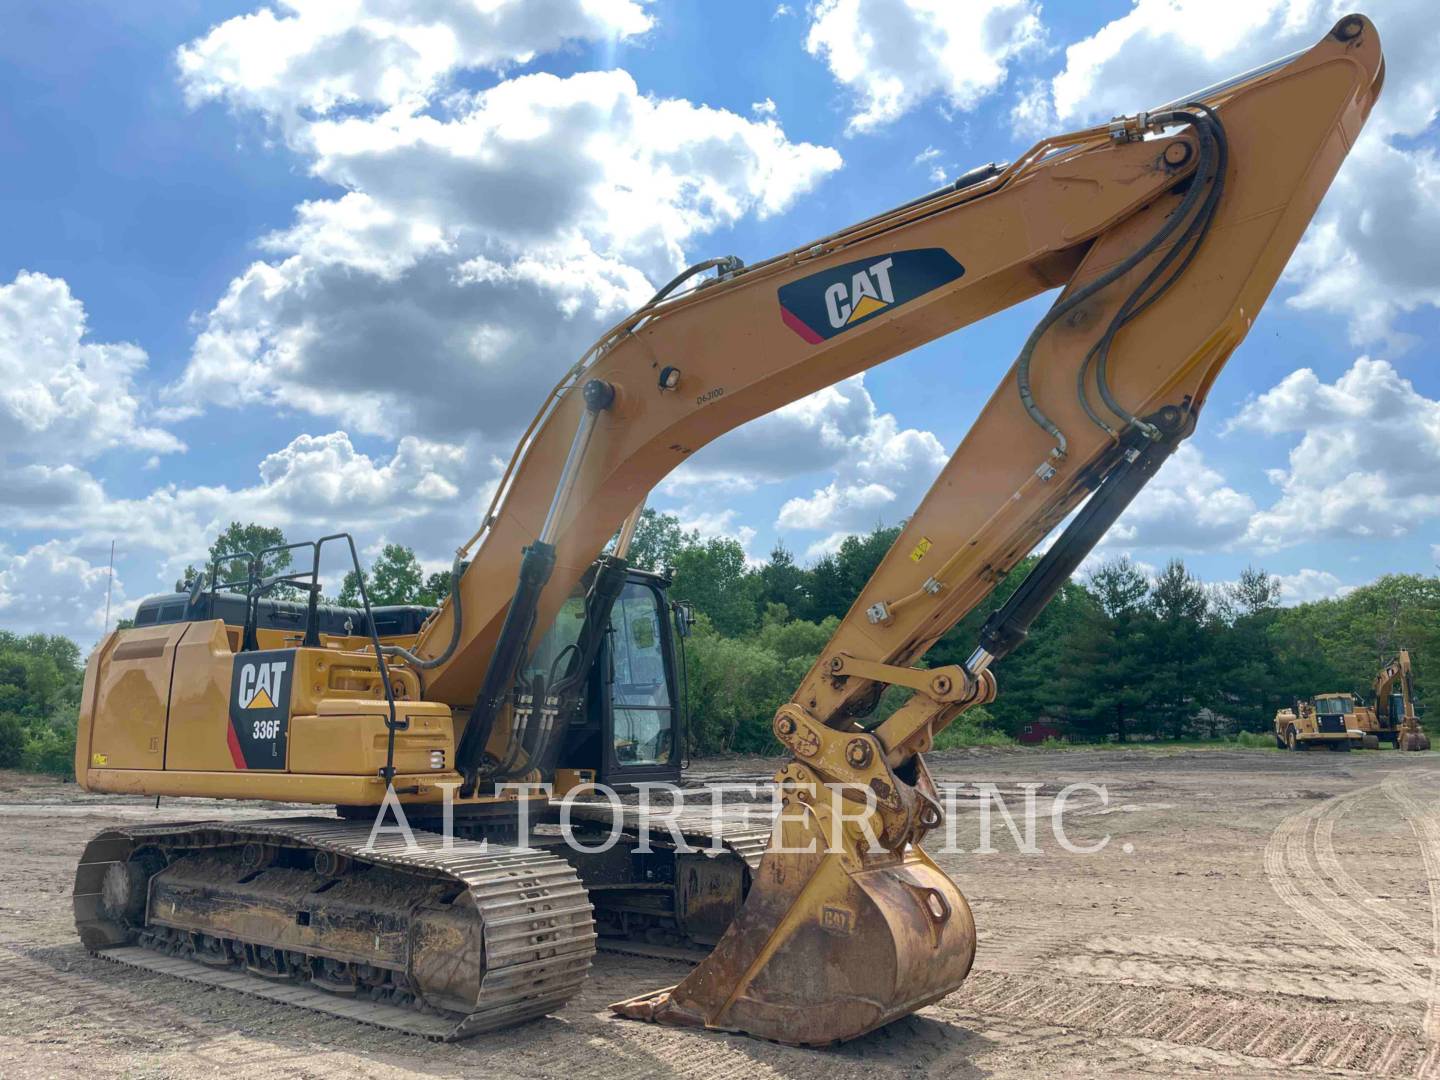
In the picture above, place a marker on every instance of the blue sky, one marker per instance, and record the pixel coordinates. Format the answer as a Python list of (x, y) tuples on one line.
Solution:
[(308, 264)]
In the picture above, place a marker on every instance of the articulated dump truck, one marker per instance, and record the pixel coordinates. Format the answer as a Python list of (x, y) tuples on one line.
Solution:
[(551, 659)]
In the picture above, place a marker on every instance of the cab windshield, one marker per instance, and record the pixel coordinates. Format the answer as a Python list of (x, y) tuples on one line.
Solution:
[(1332, 706)]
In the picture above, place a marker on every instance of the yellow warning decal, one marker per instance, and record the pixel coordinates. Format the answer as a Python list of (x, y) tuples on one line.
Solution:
[(920, 549), (98, 760)]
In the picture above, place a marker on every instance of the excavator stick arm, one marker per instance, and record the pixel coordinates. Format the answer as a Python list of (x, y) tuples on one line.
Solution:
[(1112, 378)]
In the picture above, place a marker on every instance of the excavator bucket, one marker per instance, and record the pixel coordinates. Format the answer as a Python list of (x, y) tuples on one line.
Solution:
[(1414, 739), (833, 940)]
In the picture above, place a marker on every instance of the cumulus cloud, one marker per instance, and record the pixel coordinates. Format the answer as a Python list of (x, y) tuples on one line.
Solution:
[(1370, 254), (1366, 462), (484, 240), (316, 56), (51, 589), (1307, 585), (428, 495), (895, 54), (1188, 506), (882, 470), (1376, 252), (62, 396)]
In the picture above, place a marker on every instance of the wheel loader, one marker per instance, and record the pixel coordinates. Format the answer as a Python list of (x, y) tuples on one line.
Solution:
[(1163, 231)]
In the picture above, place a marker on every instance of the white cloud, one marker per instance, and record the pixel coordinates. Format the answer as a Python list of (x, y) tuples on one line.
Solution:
[(1370, 254), (427, 495), (1308, 585), (711, 523), (1367, 460), (482, 245), (879, 471), (50, 589), (61, 396), (315, 56), (882, 470), (894, 54), (1188, 506), (1376, 253)]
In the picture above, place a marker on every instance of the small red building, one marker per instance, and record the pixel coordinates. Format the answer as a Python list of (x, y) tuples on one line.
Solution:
[(1038, 731)]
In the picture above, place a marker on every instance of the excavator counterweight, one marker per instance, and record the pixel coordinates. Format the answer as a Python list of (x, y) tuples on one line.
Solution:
[(550, 661)]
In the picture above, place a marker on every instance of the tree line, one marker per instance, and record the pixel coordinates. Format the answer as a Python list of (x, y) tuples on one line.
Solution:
[(1117, 656)]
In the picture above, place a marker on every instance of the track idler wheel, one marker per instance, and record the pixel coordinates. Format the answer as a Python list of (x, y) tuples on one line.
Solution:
[(832, 941)]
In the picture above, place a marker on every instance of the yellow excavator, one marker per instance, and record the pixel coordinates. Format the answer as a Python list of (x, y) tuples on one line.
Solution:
[(1164, 231), (1394, 691)]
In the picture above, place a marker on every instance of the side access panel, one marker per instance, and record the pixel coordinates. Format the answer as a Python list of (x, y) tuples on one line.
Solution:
[(131, 705), (200, 701)]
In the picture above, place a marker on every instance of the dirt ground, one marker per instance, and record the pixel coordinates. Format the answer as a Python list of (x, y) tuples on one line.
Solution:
[(1253, 914)]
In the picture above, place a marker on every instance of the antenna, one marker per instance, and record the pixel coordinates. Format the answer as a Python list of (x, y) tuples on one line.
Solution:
[(109, 585)]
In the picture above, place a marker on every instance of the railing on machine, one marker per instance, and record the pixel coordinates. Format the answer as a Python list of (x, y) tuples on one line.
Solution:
[(256, 584)]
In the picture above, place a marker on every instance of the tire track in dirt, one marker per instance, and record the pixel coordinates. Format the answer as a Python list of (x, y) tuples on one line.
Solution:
[(1426, 829), (1288, 864), (131, 1017), (1231, 1031), (1393, 922), (1307, 892), (1295, 971)]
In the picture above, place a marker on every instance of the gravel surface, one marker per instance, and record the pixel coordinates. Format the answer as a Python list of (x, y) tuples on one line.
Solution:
[(1253, 913)]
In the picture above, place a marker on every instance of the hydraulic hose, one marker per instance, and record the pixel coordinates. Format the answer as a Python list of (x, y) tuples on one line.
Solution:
[(1214, 146), (455, 622), (1067, 304)]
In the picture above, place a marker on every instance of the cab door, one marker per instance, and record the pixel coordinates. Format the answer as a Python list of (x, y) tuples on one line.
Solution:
[(641, 734)]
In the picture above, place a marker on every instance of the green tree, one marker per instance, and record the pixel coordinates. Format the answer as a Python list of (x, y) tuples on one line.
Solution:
[(395, 577), (40, 686), (836, 580), (1113, 675), (435, 589), (713, 576), (1179, 653), (782, 581), (658, 541), (12, 741), (1247, 675), (249, 539)]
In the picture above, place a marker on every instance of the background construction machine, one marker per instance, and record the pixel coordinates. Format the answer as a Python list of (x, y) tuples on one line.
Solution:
[(1165, 232), (1341, 721), (1319, 723), (1394, 691)]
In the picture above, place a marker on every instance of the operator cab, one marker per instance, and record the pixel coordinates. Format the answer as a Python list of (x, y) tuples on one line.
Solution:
[(632, 727), (1331, 711)]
